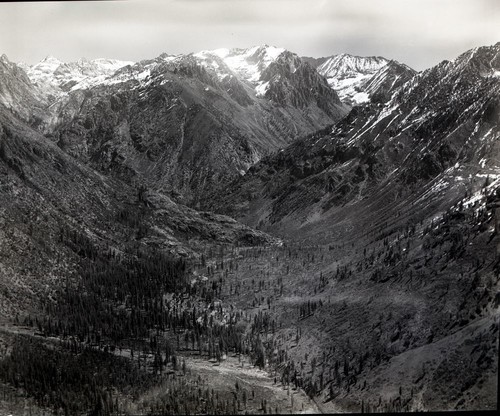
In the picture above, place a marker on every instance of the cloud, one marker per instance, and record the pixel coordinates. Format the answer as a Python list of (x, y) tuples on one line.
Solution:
[(417, 32)]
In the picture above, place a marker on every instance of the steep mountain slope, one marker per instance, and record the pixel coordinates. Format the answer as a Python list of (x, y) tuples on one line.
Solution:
[(440, 126), (361, 79), (88, 260), (18, 94), (380, 86), (168, 124), (46, 194), (403, 196)]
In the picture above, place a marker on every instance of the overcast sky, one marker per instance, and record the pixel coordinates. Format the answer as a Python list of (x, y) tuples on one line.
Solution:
[(419, 33)]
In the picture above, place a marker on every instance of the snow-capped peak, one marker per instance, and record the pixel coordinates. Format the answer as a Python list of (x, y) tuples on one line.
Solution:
[(345, 73), (246, 63), (221, 52), (51, 75), (47, 65), (485, 60), (346, 66), (4, 58), (109, 65)]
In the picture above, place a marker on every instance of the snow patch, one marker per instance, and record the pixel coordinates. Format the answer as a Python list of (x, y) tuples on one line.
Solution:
[(360, 97), (261, 89)]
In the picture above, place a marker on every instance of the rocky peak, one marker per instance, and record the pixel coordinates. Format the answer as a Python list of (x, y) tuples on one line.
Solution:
[(288, 79), (348, 66), (4, 59), (47, 65), (383, 83), (274, 73), (248, 63), (484, 61), (353, 77)]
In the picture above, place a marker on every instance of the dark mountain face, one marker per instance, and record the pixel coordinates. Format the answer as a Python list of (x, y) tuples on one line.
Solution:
[(294, 82), (314, 62)]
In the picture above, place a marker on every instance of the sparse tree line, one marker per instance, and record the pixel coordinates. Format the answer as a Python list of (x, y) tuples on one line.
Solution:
[(139, 305), (143, 304)]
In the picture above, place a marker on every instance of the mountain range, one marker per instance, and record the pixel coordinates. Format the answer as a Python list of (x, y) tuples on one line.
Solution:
[(343, 210)]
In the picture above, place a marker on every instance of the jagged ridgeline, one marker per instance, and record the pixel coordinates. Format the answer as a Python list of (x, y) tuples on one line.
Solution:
[(248, 231)]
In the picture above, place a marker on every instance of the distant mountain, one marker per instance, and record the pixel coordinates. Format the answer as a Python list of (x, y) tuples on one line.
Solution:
[(314, 62), (276, 74), (55, 78), (358, 79), (347, 66), (183, 124)]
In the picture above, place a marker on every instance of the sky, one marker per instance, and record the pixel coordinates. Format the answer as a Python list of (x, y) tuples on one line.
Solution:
[(419, 33)]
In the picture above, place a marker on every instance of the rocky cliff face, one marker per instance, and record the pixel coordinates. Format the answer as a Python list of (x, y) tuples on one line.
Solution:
[(290, 81), (18, 94)]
